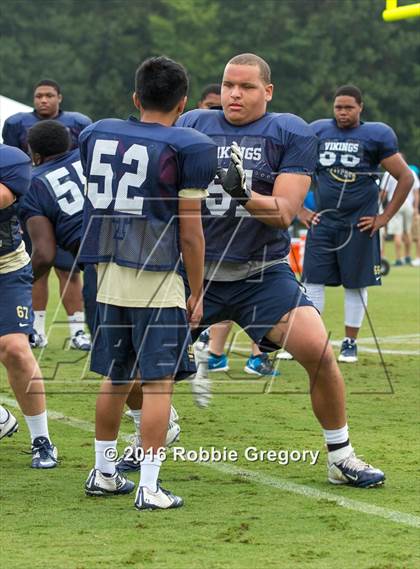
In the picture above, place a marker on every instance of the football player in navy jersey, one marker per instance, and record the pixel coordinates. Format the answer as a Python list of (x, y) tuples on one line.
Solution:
[(342, 246), (145, 182), (16, 315), (52, 210), (270, 159), (47, 100)]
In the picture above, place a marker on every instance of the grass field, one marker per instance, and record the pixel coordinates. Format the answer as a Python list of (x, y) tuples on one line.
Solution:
[(238, 515)]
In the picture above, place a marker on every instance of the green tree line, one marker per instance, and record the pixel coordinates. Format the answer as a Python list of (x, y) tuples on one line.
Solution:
[(92, 47)]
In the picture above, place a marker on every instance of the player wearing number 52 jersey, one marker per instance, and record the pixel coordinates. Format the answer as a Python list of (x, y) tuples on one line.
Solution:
[(339, 249), (145, 182), (268, 176), (52, 209)]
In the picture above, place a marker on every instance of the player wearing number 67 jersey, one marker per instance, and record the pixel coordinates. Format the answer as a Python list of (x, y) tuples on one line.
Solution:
[(342, 246), (145, 182), (16, 315), (268, 176)]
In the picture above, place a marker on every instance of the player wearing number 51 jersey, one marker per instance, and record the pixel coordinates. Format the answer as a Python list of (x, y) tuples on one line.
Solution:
[(339, 249), (145, 182), (52, 209)]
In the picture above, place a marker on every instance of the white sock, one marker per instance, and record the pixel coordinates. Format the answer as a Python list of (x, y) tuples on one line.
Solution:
[(316, 294), (4, 414), (336, 436), (76, 322), (103, 463), (149, 472), (39, 322), (355, 303), (136, 414), (38, 425)]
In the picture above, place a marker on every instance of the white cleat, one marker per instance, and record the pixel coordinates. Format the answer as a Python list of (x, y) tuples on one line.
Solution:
[(283, 355), (38, 340), (9, 426), (98, 484), (159, 500), (80, 341)]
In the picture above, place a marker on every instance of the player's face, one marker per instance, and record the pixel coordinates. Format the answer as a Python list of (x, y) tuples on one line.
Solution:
[(347, 111), (244, 94), (47, 101), (210, 101)]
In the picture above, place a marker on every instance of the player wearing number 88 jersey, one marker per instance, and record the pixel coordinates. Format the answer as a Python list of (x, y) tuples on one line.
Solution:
[(342, 246)]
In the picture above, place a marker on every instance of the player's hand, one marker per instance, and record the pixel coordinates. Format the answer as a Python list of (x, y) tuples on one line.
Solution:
[(308, 217), (372, 223), (194, 310), (234, 179)]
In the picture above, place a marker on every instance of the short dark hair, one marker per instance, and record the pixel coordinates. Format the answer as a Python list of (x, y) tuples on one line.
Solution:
[(252, 59), (49, 138), (349, 91), (212, 88), (160, 84), (50, 83)]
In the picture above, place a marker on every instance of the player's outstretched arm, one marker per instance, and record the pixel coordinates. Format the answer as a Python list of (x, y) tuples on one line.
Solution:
[(398, 168), (192, 248), (42, 235)]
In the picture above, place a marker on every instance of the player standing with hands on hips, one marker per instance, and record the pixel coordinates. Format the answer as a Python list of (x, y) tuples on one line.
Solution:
[(342, 246)]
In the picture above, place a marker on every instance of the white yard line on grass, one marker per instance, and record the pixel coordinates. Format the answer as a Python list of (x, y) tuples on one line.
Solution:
[(260, 478)]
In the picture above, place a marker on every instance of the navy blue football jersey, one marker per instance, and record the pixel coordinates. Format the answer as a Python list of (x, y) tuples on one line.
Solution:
[(272, 145), (15, 129), (57, 192), (135, 171), (15, 174), (347, 170)]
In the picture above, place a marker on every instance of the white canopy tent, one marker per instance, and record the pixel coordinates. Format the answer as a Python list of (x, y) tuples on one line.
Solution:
[(10, 107)]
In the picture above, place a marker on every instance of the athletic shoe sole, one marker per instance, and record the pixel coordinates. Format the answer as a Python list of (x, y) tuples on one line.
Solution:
[(11, 431), (347, 359), (226, 368)]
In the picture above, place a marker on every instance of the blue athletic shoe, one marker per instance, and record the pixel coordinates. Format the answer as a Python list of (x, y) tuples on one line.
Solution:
[(44, 453), (260, 365), (218, 363), (355, 472), (348, 352)]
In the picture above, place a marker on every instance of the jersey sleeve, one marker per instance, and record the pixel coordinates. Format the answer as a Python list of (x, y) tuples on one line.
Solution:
[(301, 154), (10, 133), (198, 166), (16, 173), (388, 144), (34, 202), (83, 146)]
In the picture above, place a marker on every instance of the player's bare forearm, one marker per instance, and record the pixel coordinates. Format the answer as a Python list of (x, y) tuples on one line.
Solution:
[(7, 198), (191, 238), (271, 210), (44, 245), (280, 209), (405, 181)]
